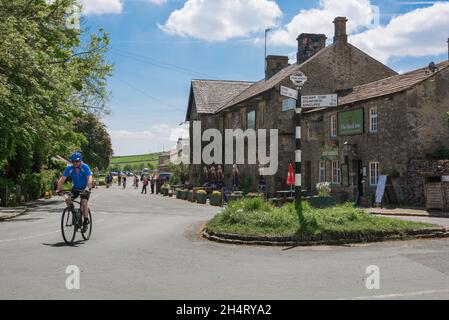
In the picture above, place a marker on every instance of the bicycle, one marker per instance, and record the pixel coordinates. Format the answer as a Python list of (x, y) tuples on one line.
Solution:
[(72, 220)]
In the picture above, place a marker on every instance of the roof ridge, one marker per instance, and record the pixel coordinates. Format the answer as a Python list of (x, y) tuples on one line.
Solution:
[(218, 80)]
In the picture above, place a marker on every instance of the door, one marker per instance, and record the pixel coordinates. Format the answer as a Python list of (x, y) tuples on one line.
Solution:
[(434, 195), (360, 178)]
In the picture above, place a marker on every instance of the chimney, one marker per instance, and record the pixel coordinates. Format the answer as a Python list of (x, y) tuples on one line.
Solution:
[(308, 45), (340, 30), (274, 65)]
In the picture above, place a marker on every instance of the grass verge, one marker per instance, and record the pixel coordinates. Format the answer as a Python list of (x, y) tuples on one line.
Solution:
[(255, 217)]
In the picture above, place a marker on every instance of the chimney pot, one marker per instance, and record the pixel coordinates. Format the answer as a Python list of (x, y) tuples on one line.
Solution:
[(309, 44), (275, 64), (340, 30)]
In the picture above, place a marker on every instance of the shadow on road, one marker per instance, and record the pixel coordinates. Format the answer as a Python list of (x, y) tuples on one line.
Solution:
[(63, 244)]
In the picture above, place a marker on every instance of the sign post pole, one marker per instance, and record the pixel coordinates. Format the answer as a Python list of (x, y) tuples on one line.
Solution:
[(298, 79)]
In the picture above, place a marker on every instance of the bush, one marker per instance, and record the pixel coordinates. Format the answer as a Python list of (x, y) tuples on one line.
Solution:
[(35, 185), (324, 189)]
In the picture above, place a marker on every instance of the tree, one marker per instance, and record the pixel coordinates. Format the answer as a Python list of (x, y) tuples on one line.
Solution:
[(97, 149), (49, 78)]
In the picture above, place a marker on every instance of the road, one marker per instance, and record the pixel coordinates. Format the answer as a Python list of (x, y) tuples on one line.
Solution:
[(148, 247)]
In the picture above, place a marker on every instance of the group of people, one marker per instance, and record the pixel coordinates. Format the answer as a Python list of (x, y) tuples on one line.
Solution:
[(147, 180)]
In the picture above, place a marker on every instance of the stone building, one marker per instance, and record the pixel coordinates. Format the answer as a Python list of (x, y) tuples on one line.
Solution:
[(387, 127), (335, 68), (206, 98)]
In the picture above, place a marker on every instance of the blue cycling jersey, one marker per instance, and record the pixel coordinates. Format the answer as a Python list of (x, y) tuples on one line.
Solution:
[(79, 176)]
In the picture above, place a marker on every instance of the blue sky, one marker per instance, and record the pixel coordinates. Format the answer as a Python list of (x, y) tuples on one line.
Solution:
[(158, 46)]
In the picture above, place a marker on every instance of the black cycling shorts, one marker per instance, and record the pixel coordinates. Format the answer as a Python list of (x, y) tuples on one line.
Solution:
[(84, 196)]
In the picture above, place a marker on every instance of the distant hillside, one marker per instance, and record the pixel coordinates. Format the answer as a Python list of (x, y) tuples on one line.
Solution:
[(137, 162)]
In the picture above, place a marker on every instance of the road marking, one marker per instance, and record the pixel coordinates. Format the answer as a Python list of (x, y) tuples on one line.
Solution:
[(29, 237), (398, 295), (39, 235)]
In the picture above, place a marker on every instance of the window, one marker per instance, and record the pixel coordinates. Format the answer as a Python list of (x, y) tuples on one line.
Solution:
[(251, 119), (373, 173), (336, 172), (373, 120), (322, 171), (261, 115), (334, 126)]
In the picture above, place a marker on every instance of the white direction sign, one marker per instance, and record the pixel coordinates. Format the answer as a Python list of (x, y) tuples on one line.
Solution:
[(298, 78), (287, 92), (320, 101)]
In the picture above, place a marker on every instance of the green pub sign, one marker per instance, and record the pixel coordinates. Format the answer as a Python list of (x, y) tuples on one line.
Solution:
[(329, 153), (350, 122)]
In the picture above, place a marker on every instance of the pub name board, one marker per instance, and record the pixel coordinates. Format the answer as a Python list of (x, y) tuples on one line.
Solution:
[(350, 122)]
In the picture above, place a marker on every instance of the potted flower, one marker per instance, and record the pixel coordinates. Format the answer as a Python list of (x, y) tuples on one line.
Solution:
[(236, 195), (216, 198), (201, 196), (254, 195), (178, 193), (324, 198), (165, 189)]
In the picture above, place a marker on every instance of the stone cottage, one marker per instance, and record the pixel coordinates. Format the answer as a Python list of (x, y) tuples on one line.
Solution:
[(335, 68), (388, 127)]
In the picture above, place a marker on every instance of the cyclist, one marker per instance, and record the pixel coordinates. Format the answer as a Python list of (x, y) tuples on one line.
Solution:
[(81, 177)]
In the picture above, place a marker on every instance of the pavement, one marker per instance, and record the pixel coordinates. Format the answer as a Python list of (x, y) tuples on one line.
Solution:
[(10, 213), (149, 247), (412, 212)]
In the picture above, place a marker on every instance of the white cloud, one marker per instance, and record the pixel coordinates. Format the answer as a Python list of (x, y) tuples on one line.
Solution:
[(160, 132), (99, 6), (421, 32), (102, 6), (220, 20), (158, 2), (319, 20)]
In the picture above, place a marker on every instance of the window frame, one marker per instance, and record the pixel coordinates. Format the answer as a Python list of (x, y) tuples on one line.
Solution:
[(336, 172), (377, 173), (333, 130), (248, 112), (371, 122), (321, 171)]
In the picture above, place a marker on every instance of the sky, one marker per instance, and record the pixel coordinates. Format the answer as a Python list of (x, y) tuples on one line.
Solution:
[(159, 46)]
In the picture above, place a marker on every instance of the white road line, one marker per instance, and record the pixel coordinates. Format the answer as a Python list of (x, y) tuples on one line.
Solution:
[(398, 295), (39, 235), (29, 237)]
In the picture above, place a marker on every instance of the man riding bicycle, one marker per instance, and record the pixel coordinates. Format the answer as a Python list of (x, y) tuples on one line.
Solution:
[(81, 177)]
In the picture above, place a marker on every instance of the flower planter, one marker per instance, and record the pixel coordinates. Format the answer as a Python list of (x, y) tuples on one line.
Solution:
[(235, 197), (184, 194), (190, 196), (322, 202), (170, 193), (178, 194), (216, 200), (201, 198)]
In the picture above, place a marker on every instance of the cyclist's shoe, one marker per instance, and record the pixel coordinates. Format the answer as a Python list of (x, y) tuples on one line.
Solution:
[(85, 225)]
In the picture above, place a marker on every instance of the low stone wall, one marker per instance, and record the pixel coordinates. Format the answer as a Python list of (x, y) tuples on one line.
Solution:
[(413, 184), (324, 239)]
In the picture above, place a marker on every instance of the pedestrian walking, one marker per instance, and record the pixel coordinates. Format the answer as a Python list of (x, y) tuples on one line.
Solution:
[(124, 182), (145, 185), (136, 182), (119, 179), (152, 181)]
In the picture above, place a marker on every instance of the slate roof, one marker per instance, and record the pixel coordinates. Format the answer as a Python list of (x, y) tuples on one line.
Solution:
[(388, 86), (265, 85), (211, 95)]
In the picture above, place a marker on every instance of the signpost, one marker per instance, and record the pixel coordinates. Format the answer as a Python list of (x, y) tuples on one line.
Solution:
[(331, 100), (321, 101), (287, 92)]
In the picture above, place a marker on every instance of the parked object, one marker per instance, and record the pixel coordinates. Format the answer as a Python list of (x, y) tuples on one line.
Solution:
[(201, 196)]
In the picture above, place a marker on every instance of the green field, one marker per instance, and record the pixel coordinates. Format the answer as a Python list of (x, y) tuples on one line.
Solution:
[(136, 162)]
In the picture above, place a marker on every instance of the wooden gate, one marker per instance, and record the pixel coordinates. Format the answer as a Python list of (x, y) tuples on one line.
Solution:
[(434, 196)]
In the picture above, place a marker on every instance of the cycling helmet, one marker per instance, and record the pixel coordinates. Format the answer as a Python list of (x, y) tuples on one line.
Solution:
[(76, 156)]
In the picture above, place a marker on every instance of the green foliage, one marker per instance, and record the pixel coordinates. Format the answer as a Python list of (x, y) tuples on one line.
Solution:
[(97, 150), (257, 217), (176, 170), (49, 78), (247, 184), (442, 153)]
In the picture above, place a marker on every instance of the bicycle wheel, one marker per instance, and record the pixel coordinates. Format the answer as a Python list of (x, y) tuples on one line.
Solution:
[(86, 235), (68, 227)]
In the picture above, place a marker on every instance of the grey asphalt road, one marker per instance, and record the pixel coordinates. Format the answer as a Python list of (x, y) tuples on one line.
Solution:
[(148, 247)]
